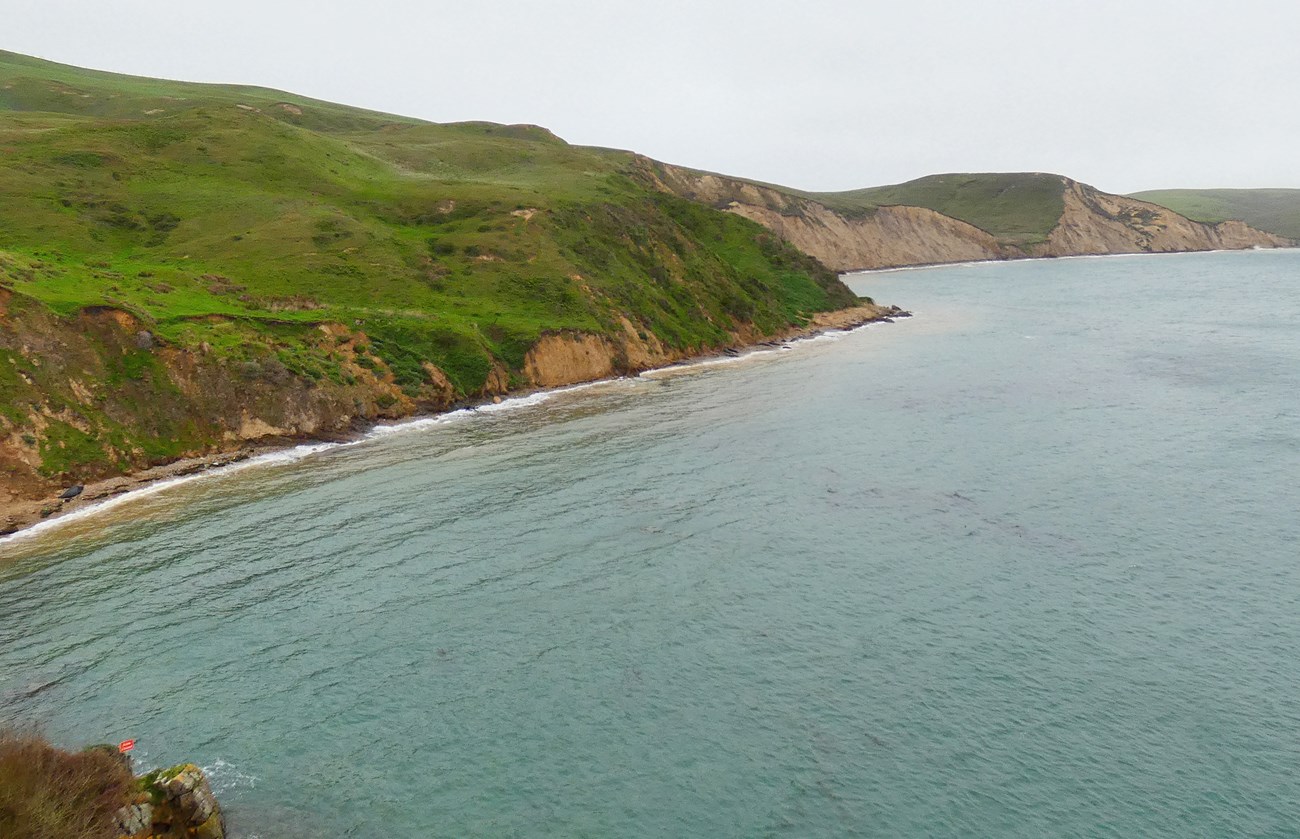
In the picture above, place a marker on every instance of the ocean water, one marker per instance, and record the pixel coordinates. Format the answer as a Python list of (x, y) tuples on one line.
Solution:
[(1025, 565)]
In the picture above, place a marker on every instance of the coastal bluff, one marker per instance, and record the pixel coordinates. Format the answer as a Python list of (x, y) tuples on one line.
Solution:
[(242, 414), (988, 217)]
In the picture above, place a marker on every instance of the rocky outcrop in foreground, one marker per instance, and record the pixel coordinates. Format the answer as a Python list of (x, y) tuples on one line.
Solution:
[(47, 792), (175, 803)]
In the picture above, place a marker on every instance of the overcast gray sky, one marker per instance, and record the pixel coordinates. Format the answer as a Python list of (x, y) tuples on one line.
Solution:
[(819, 94)]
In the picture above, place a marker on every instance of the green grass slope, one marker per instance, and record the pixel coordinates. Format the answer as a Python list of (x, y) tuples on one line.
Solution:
[(1019, 208), (240, 220), (1274, 210), (32, 84)]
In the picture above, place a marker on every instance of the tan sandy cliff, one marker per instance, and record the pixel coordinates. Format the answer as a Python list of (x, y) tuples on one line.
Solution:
[(1095, 222), (890, 236)]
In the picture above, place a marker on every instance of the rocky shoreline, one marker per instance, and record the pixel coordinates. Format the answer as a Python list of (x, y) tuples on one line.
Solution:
[(176, 802), (22, 516)]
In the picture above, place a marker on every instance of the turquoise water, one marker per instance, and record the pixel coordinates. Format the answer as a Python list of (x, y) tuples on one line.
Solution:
[(1025, 565)]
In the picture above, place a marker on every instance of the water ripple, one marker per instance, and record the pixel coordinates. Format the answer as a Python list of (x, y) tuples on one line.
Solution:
[(912, 581)]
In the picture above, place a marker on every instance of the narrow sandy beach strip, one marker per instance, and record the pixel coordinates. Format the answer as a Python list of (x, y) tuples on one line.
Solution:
[(29, 518)]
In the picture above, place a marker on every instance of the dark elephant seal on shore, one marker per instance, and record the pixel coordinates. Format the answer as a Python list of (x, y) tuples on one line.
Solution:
[(71, 492)]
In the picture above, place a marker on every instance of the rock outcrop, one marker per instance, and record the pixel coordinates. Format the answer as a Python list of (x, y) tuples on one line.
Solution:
[(565, 359), (175, 803)]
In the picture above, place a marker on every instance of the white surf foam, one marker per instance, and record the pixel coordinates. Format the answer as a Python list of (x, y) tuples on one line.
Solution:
[(99, 506), (513, 403), (419, 424), (755, 354), (712, 361), (901, 268), (226, 776)]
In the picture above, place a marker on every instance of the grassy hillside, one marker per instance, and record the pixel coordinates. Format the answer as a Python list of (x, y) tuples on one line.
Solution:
[(32, 84), (1274, 210), (1019, 208), (240, 221)]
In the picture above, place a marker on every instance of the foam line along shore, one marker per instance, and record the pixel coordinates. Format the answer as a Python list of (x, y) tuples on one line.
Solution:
[(102, 496)]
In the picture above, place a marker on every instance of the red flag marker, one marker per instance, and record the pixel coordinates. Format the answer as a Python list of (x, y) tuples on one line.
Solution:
[(126, 746)]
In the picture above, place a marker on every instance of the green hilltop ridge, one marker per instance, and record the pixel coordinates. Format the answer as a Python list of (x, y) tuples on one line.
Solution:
[(281, 244), (1274, 210), (1019, 208), (34, 84)]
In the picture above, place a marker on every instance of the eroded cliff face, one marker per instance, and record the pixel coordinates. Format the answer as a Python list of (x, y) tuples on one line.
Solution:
[(1096, 222), (1092, 222), (558, 360), (886, 237), (573, 357)]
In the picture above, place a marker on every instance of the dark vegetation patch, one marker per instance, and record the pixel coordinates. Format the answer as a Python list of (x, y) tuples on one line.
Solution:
[(47, 792)]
